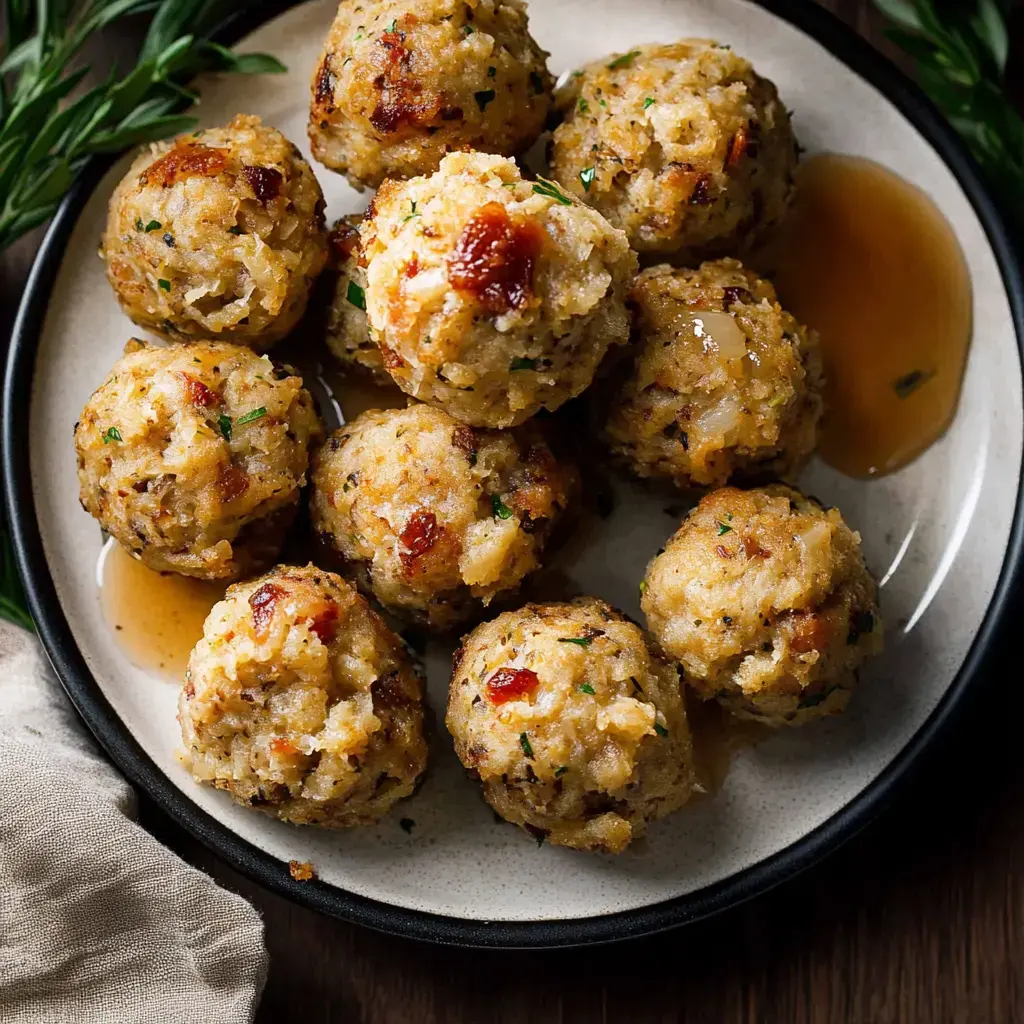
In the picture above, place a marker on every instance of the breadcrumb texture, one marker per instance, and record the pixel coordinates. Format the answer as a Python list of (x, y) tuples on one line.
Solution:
[(683, 146), (300, 702), (403, 82), (726, 384), (764, 599), (491, 296), (192, 456), (574, 727), (433, 518), (218, 235)]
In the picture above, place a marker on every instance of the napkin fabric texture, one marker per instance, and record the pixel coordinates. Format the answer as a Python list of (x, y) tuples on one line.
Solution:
[(98, 921)]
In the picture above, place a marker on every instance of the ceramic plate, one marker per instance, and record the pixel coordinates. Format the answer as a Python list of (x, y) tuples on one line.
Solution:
[(942, 536)]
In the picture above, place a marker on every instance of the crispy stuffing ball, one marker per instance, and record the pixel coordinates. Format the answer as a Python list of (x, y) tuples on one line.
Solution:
[(575, 728), (218, 234), (432, 517), (299, 701), (726, 383), (491, 296), (683, 146), (192, 456), (764, 599), (348, 332), (403, 82)]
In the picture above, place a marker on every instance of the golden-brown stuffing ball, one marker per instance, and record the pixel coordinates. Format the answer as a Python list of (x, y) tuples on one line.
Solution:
[(726, 384), (683, 146), (403, 82), (300, 702), (575, 728), (432, 517), (764, 599), (491, 296), (192, 456), (218, 234)]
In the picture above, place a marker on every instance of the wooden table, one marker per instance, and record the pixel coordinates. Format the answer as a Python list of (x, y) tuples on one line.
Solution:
[(918, 919)]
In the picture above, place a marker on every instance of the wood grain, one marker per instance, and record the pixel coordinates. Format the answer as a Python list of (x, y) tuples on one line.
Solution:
[(918, 919)]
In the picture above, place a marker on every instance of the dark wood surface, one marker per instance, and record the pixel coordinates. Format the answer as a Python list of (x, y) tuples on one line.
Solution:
[(920, 918)]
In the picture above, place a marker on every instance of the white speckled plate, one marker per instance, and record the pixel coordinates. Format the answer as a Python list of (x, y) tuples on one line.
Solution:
[(942, 535)]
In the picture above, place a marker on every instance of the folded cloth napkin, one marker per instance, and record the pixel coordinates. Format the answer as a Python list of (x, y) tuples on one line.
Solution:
[(98, 921)]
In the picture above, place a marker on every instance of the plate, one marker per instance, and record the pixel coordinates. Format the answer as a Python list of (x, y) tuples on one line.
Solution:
[(943, 535)]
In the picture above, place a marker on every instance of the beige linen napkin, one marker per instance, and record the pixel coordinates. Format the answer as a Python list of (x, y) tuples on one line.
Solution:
[(98, 921)]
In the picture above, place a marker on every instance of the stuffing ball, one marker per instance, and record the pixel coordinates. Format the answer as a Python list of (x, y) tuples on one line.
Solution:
[(575, 728), (192, 456), (299, 701), (726, 383), (683, 146), (403, 82), (491, 296), (348, 332), (219, 234), (764, 599), (432, 517)]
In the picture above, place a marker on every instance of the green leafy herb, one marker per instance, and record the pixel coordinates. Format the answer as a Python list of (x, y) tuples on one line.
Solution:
[(624, 61), (235, 229), (153, 225), (111, 434), (356, 296), (13, 603), (723, 529), (551, 191), (393, 27), (249, 417), (468, 29), (500, 509), (560, 771), (649, 102), (660, 729), (587, 177), (582, 641), (906, 385), (415, 213), (643, 587), (46, 138), (524, 742), (483, 97), (587, 688), (583, 105), (960, 51), (522, 363), (164, 284), (224, 422)]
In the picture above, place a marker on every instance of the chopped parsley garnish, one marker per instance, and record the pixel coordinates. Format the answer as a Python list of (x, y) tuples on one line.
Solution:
[(524, 742), (153, 225), (624, 61), (560, 771), (551, 191), (587, 177), (393, 27), (224, 422), (660, 729), (407, 824), (537, 82), (649, 102), (415, 212), (253, 414), (582, 641), (587, 688), (910, 382), (483, 97), (500, 509), (492, 71), (356, 296), (468, 29), (522, 363), (583, 105), (165, 284), (235, 229), (111, 434), (723, 529)]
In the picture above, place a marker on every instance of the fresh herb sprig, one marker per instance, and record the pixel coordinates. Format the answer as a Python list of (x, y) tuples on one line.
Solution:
[(45, 138), (13, 606), (960, 51)]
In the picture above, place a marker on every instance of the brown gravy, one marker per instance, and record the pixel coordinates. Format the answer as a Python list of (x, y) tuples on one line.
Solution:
[(870, 262)]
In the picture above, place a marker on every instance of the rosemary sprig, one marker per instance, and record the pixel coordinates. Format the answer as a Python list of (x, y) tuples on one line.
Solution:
[(46, 138), (960, 51)]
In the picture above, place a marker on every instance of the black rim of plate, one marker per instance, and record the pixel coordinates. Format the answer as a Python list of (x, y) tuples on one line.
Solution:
[(114, 736)]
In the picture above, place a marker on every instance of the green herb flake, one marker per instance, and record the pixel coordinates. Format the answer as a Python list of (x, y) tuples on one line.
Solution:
[(583, 106), (524, 742), (587, 688), (415, 212), (522, 363), (483, 97), (468, 29), (251, 416), (580, 641), (356, 296), (660, 729), (560, 771), (164, 284), (224, 422), (551, 191), (235, 229), (500, 509), (649, 102), (587, 177), (723, 529), (153, 225), (643, 586), (111, 434), (624, 61), (393, 27), (906, 385)]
